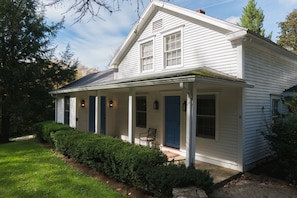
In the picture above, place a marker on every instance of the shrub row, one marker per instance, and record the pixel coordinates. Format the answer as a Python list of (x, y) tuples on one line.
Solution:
[(44, 129), (143, 167)]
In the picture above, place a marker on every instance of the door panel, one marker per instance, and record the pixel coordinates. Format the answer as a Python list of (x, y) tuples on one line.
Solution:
[(172, 121)]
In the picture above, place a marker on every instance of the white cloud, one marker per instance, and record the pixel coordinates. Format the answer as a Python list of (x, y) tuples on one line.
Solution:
[(93, 42), (287, 2), (233, 19)]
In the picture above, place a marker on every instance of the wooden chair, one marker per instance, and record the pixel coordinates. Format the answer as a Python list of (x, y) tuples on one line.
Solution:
[(149, 136)]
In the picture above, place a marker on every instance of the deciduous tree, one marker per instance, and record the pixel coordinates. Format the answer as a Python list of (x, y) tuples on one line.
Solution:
[(288, 34), (94, 7)]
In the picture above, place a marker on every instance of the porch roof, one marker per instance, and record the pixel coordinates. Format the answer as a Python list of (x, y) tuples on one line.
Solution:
[(104, 80)]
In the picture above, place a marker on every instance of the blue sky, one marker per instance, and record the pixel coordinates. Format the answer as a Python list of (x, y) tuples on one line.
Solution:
[(94, 41)]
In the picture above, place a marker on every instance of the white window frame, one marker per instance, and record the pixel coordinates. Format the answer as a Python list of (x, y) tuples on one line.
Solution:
[(141, 57), (274, 98), (216, 95), (166, 34)]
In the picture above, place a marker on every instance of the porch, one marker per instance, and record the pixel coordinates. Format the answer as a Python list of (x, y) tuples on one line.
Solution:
[(220, 174)]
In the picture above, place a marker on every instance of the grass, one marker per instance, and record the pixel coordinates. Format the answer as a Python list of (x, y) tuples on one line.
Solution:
[(27, 169)]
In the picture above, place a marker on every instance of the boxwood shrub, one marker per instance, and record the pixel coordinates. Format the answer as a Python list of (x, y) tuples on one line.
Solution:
[(44, 129), (115, 158), (162, 179), (143, 167)]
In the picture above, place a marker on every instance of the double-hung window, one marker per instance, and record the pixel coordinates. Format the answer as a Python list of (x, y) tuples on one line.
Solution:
[(141, 111), (172, 49), (146, 59), (206, 116)]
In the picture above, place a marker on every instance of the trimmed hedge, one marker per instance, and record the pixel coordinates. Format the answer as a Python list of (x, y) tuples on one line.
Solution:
[(44, 129), (143, 167), (163, 179), (115, 158)]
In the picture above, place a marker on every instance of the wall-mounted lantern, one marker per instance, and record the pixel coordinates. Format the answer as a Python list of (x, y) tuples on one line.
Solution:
[(83, 103), (110, 104), (156, 105)]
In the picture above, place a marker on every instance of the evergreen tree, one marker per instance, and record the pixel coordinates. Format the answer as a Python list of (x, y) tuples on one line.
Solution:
[(252, 18), (26, 74), (288, 34)]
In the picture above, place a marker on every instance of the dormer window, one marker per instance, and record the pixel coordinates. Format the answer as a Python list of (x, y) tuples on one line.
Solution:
[(146, 59), (172, 49)]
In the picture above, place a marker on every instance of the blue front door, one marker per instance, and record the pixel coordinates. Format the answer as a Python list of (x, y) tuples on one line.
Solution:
[(172, 121), (92, 109), (103, 115)]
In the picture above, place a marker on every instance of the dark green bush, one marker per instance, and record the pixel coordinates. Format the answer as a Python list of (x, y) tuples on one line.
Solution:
[(120, 160), (162, 179), (43, 130), (282, 137), (143, 167)]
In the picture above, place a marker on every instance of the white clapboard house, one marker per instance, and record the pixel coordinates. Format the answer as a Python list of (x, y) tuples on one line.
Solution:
[(207, 86)]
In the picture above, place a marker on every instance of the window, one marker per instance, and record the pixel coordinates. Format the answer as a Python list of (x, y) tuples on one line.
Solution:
[(141, 111), (206, 116), (275, 107), (172, 49), (146, 56), (66, 109), (275, 110)]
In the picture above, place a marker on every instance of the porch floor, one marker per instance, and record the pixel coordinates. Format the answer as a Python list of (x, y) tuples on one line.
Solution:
[(220, 174)]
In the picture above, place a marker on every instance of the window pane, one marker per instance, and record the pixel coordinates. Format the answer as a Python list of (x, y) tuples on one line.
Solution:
[(141, 111), (206, 127), (172, 54), (206, 116), (146, 56)]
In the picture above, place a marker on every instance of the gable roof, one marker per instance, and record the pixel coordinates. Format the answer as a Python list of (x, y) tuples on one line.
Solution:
[(154, 7), (103, 80)]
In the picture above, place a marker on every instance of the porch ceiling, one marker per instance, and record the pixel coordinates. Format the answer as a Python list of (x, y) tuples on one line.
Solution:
[(202, 75)]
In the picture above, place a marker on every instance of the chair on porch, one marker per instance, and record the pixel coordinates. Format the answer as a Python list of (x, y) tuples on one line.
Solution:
[(148, 137)]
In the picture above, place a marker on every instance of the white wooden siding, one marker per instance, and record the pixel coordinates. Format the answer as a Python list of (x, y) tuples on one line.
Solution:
[(272, 74), (225, 149), (203, 45)]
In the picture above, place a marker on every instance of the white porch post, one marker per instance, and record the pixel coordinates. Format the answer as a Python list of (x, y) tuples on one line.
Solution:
[(191, 124), (131, 115), (98, 113)]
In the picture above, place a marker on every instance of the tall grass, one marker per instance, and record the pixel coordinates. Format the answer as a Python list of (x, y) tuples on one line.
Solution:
[(27, 169)]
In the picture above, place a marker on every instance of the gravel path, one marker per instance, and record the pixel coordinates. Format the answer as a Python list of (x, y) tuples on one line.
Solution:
[(253, 186)]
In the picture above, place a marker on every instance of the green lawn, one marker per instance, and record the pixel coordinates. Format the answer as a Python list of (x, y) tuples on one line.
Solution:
[(27, 169)]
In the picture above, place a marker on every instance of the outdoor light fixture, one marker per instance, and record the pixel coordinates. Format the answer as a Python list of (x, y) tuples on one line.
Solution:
[(156, 105), (82, 103), (110, 103)]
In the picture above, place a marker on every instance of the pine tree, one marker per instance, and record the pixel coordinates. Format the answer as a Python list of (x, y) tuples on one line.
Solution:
[(288, 34), (25, 72), (252, 19)]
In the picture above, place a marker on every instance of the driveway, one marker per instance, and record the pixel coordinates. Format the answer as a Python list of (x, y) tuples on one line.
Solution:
[(254, 186)]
